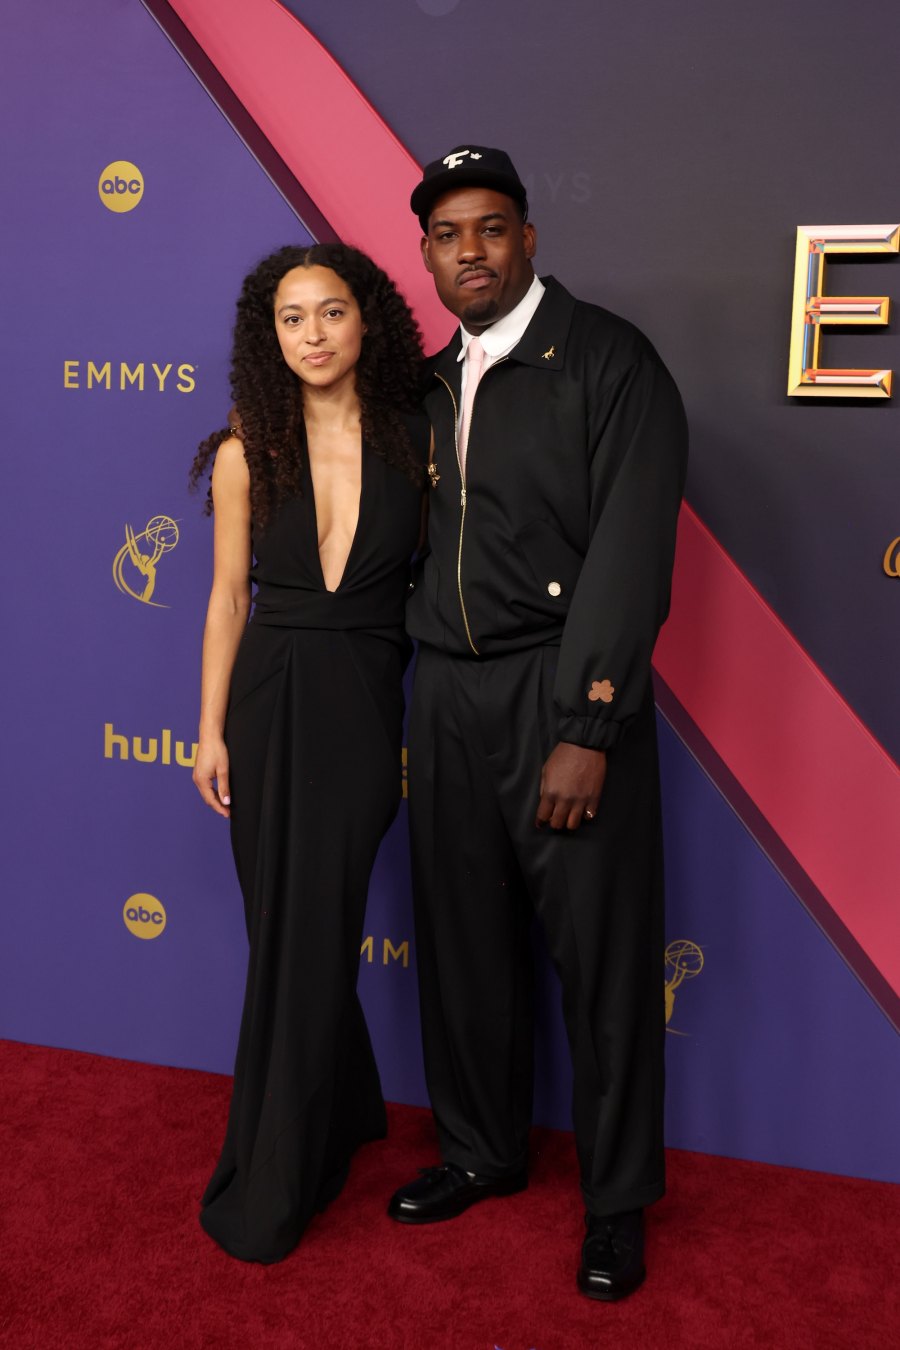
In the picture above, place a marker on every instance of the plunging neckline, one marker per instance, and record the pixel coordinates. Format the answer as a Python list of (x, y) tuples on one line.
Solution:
[(359, 516)]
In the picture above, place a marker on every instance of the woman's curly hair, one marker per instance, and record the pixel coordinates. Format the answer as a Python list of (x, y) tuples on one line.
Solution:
[(268, 396)]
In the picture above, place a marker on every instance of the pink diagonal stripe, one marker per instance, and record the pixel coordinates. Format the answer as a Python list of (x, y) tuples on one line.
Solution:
[(827, 787), (339, 149)]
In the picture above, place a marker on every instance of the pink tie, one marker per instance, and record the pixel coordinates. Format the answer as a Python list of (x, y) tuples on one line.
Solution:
[(474, 364)]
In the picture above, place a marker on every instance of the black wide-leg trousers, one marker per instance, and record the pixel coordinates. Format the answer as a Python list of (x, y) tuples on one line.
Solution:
[(314, 733), (480, 731)]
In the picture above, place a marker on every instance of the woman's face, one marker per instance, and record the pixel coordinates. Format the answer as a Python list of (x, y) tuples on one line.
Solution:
[(319, 326)]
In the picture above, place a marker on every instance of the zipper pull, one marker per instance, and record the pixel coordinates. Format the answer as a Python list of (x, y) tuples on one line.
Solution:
[(462, 497)]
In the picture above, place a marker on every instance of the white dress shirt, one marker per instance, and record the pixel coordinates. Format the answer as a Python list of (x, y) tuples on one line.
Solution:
[(500, 338)]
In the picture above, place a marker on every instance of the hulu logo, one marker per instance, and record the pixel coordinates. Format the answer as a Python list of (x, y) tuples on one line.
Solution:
[(154, 750)]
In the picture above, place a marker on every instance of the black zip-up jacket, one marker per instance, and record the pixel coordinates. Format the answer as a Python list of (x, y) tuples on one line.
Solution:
[(563, 532)]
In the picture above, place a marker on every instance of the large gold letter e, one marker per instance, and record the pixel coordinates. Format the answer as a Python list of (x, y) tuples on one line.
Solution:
[(812, 309)]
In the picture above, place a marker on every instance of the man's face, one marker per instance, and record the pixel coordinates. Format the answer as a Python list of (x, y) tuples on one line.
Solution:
[(479, 252)]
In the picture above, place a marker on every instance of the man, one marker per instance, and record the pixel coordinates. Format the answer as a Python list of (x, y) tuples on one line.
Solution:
[(557, 471)]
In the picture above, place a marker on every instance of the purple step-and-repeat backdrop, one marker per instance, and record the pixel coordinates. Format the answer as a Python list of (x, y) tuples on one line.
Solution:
[(667, 178)]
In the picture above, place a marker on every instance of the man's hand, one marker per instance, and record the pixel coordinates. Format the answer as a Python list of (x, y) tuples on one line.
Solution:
[(571, 783)]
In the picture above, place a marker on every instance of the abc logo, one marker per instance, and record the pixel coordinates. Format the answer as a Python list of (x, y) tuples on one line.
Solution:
[(144, 915), (121, 185)]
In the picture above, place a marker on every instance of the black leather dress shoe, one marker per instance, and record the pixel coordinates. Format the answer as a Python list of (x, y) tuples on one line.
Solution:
[(445, 1191), (612, 1257)]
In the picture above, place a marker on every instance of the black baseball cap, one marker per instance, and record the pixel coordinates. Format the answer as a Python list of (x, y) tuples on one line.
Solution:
[(467, 166)]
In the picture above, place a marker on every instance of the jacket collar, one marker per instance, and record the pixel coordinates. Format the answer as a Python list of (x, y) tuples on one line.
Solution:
[(543, 343)]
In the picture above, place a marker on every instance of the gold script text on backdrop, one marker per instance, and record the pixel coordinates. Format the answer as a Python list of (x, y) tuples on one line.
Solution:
[(891, 560)]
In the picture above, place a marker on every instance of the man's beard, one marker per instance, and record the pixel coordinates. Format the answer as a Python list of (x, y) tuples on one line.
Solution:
[(480, 312)]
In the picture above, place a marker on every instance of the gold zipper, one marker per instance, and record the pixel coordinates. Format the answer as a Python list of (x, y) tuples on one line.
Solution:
[(462, 515), (462, 497)]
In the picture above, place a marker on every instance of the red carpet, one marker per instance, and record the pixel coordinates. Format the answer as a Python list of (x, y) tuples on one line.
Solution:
[(103, 1161)]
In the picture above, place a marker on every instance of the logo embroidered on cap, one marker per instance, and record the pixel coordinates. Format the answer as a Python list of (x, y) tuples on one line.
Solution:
[(602, 691), (453, 161)]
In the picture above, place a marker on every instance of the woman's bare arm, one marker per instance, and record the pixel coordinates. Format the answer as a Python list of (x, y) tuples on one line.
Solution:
[(226, 618)]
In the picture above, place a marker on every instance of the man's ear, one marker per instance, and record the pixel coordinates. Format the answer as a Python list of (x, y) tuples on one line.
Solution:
[(425, 258), (529, 235)]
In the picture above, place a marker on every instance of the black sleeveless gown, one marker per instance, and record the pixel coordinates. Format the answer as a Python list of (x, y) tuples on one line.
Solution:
[(313, 730)]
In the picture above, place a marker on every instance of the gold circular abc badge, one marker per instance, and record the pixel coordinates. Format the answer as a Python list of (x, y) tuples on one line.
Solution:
[(144, 915), (121, 186)]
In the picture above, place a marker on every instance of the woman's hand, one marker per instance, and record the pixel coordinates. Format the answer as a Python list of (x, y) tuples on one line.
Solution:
[(211, 766)]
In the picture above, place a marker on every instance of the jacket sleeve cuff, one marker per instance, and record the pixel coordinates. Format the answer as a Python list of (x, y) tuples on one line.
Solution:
[(590, 732)]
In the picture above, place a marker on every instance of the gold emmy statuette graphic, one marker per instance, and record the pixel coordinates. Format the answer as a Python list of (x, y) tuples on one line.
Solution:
[(140, 554), (685, 960), (813, 309)]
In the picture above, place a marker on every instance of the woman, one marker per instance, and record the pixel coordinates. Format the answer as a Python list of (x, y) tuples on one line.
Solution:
[(320, 480)]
